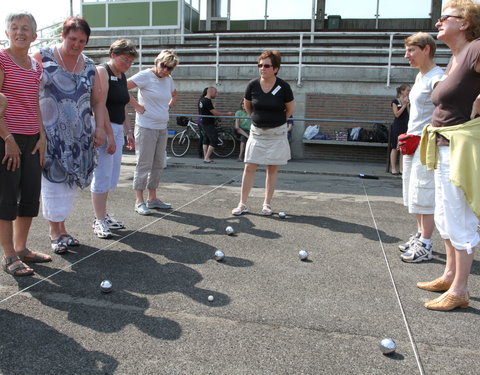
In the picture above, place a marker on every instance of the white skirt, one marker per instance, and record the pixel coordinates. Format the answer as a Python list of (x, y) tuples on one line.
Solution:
[(268, 146)]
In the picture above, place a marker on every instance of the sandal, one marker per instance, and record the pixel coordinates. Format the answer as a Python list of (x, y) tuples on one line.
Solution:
[(267, 210), (19, 269), (29, 256), (59, 246), (70, 241), (240, 209)]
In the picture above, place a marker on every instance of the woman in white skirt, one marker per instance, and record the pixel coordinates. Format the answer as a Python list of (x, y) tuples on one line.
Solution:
[(269, 102)]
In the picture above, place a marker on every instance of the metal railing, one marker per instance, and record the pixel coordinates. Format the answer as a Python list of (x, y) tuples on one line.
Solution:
[(297, 46)]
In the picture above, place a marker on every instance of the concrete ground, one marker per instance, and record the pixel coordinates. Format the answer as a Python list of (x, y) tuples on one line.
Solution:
[(271, 313)]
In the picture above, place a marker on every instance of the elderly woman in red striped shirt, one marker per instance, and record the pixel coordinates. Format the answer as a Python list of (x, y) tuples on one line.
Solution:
[(22, 145)]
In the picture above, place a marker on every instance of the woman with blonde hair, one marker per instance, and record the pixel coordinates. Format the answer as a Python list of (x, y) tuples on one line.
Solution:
[(401, 109), (156, 96), (451, 146)]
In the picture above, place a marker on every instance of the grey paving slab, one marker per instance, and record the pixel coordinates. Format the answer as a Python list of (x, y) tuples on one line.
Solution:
[(271, 314)]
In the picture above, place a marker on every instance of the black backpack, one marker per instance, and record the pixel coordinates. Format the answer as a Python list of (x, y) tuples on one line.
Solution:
[(379, 133)]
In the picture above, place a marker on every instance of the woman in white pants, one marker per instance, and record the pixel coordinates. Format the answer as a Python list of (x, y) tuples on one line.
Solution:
[(457, 100), (107, 172)]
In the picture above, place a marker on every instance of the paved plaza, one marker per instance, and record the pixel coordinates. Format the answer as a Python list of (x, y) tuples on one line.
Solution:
[(271, 313)]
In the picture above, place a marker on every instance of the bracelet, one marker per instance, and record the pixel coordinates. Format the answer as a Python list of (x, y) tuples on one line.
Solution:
[(8, 136), (130, 131)]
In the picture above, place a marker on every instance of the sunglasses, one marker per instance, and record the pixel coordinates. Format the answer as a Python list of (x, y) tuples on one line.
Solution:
[(165, 66), (125, 61), (266, 66), (447, 16)]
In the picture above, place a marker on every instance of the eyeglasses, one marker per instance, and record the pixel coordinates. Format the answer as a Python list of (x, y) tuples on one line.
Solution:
[(266, 66), (125, 61), (165, 66), (445, 17)]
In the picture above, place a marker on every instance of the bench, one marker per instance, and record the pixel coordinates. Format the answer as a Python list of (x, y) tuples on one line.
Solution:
[(344, 143)]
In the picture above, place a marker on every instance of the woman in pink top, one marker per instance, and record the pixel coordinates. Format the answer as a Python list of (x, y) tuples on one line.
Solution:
[(22, 145)]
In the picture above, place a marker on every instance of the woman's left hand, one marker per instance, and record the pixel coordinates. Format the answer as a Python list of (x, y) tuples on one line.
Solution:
[(40, 147), (99, 137), (475, 108), (111, 145), (130, 141)]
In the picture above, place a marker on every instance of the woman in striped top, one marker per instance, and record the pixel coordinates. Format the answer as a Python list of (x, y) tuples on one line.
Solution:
[(22, 145)]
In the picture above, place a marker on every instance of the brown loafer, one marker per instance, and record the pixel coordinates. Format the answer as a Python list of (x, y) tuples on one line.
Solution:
[(437, 285), (448, 301)]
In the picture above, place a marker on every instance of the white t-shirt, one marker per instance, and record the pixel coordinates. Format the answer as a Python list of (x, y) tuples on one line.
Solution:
[(154, 94), (421, 106)]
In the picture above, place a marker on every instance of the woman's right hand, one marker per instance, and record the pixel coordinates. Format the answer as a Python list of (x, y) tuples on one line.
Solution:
[(12, 154)]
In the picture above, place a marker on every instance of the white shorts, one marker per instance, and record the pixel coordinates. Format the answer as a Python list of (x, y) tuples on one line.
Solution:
[(107, 171), (418, 185), (57, 200), (454, 217)]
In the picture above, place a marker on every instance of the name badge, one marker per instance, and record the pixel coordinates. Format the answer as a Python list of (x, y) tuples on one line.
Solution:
[(276, 90), (113, 78)]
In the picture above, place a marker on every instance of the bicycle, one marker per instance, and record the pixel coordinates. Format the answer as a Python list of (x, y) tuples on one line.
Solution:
[(180, 143)]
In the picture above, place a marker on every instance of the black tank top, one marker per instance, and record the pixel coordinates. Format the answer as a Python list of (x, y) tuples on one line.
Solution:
[(117, 97)]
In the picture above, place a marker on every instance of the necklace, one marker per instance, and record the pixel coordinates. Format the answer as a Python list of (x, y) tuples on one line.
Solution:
[(63, 62)]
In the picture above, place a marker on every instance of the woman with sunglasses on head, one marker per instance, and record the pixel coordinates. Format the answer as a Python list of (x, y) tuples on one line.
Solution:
[(269, 102), (70, 93), (107, 172), (451, 146), (156, 95)]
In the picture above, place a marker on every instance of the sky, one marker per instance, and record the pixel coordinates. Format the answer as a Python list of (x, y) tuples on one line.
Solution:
[(51, 11)]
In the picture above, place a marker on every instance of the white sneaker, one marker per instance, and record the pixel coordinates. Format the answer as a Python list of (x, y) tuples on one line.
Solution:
[(142, 209), (405, 246), (418, 252), (112, 223), (101, 229)]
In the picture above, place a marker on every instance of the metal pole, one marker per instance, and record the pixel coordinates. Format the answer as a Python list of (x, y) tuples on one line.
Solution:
[(191, 17), (182, 20), (377, 15), (390, 51), (228, 15), (217, 63), (266, 15), (312, 22), (300, 58)]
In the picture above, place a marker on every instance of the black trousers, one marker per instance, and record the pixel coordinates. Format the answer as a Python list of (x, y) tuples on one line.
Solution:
[(20, 189)]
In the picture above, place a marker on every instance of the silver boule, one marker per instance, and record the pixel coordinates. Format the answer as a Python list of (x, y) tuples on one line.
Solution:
[(210, 298), (219, 255), (229, 230), (303, 254), (387, 345), (106, 286), (282, 215)]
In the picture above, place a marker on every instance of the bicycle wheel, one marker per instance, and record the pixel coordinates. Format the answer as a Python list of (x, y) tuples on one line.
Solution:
[(226, 144), (180, 144)]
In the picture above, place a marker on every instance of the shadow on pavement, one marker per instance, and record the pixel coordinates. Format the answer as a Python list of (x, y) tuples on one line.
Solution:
[(342, 227), (40, 349)]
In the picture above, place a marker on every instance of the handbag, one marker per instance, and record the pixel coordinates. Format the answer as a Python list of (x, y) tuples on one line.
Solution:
[(408, 143)]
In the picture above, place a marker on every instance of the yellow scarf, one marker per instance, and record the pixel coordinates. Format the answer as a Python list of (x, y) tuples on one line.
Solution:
[(464, 157)]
